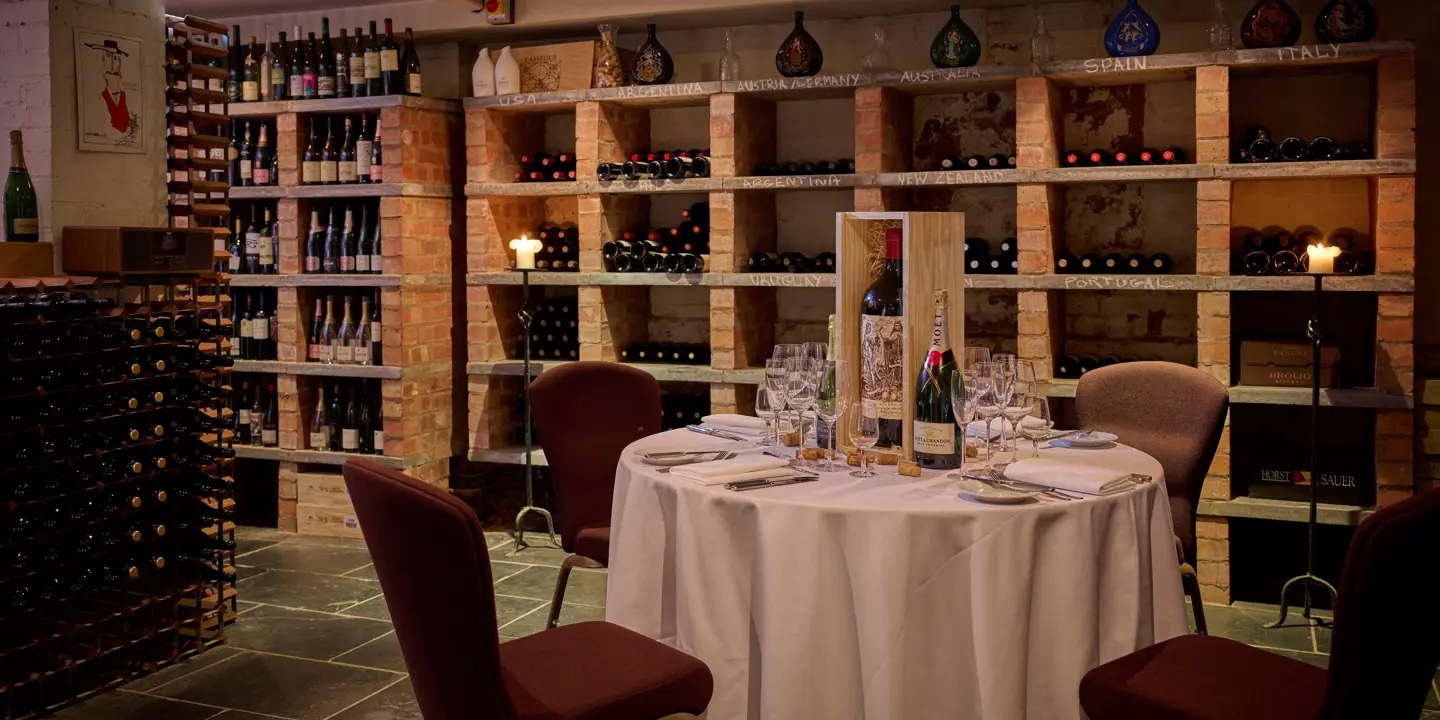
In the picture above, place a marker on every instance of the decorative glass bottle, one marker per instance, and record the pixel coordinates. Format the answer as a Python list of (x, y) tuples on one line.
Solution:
[(1132, 33), (607, 61), (879, 59), (1347, 21), (729, 61), (799, 55), (652, 65), (1220, 38), (956, 45), (1270, 24), (1042, 44)]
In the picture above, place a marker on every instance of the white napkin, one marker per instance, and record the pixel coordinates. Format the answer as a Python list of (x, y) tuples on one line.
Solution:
[(1086, 479), (976, 428), (719, 472), (728, 421)]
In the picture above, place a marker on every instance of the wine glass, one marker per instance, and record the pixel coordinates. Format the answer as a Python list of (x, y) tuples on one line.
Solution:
[(1036, 423), (787, 351), (766, 410), (987, 401), (775, 388), (1004, 388), (962, 403), (800, 389), (974, 356), (831, 399), (864, 427), (1022, 387)]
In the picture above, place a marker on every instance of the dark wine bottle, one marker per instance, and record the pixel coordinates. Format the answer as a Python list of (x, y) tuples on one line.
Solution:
[(1112, 264), (882, 308), (1324, 148), (1262, 150), (392, 76), (1122, 158), (956, 45), (1136, 263), (1293, 149), (410, 64), (1256, 262), (1068, 367), (937, 440), (1067, 263), (652, 65), (1172, 156), (1073, 158), (1101, 157), (1160, 264), (1090, 263), (1270, 23), (799, 55)]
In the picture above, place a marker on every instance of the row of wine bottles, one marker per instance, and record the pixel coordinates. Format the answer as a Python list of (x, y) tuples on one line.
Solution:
[(253, 248), (792, 262), (1106, 158), (110, 486), (1068, 263), (998, 161), (345, 239), (1276, 251), (349, 153), (253, 162), (1070, 367), (90, 558), (130, 458), (59, 338), (555, 329), (1258, 146), (106, 366), (982, 259), (684, 248), (843, 166), (559, 248), (680, 409), (355, 340), (544, 167), (667, 353), (37, 446), (308, 68), (94, 401), (348, 418), (677, 167), (255, 322)]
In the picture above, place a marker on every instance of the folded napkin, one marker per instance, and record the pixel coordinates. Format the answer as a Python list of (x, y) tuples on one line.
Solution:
[(719, 472), (1086, 479), (976, 428), (727, 421)]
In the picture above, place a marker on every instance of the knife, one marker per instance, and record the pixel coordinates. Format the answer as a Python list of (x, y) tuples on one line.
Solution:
[(756, 484), (712, 431)]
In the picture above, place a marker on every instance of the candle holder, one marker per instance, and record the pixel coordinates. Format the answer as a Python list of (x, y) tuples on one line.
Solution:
[(1310, 579), (530, 506)]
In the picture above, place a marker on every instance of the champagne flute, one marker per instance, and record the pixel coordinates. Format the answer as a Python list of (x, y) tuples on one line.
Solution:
[(815, 351), (1036, 424), (864, 427), (831, 399)]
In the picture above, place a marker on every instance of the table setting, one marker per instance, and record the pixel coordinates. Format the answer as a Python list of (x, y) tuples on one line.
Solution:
[(980, 591)]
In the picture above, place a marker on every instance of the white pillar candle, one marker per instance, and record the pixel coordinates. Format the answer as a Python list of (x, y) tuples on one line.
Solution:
[(525, 250), (1322, 259)]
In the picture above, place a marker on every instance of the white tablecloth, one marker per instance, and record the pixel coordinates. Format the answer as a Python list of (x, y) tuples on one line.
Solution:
[(891, 597)]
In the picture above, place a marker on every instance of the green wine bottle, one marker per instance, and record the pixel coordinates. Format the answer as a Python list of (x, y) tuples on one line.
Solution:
[(22, 219), (956, 45), (938, 442)]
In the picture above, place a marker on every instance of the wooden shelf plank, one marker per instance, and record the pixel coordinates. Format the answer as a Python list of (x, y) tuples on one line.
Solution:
[(509, 456), (340, 105), (1284, 510), (1313, 170), (1174, 67), (660, 371), (350, 190), (951, 178), (318, 369), (324, 457), (357, 280), (1255, 395), (1128, 173), (810, 280)]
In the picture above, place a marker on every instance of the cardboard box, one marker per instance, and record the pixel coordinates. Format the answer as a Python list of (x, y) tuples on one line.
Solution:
[(1286, 363), (327, 489), (327, 521)]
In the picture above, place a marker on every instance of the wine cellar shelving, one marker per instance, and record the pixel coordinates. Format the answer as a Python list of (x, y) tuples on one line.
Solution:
[(416, 370), (1039, 314)]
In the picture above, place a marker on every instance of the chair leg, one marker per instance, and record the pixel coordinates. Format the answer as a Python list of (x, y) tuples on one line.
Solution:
[(558, 598), (1192, 588)]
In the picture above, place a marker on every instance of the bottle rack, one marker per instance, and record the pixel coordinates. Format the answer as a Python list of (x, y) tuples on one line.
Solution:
[(119, 555), (417, 375), (197, 126), (1040, 323)]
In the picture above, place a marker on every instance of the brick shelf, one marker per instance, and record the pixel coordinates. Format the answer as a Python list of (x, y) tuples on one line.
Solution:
[(660, 371), (318, 369), (341, 105), (348, 190), (1042, 320), (319, 457), (1284, 510), (315, 280)]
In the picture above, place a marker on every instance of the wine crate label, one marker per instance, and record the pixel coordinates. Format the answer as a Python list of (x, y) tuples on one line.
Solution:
[(327, 521), (322, 489)]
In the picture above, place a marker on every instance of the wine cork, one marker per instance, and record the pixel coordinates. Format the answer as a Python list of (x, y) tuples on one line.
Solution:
[(909, 468)]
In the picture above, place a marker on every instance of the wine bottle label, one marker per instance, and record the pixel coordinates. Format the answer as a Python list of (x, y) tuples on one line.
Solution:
[(882, 358), (344, 354), (347, 264), (362, 263), (349, 439), (245, 331), (650, 65), (347, 172), (376, 266), (329, 171), (375, 331), (257, 433), (260, 329), (262, 175), (389, 61), (380, 441), (267, 252), (269, 436), (935, 438), (247, 169), (317, 441), (297, 86), (362, 156), (312, 351), (413, 83), (26, 226), (327, 353), (310, 171), (357, 69), (325, 86), (244, 416), (372, 65), (215, 84), (376, 173), (310, 83), (234, 262), (312, 264), (249, 91)]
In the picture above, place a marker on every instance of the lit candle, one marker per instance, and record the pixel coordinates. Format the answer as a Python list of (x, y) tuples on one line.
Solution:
[(525, 250), (1322, 258)]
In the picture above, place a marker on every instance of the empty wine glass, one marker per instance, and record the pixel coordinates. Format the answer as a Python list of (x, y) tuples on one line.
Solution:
[(787, 351), (962, 403), (800, 389), (775, 388), (831, 399), (987, 402), (974, 356), (1036, 423), (766, 411), (864, 427), (814, 350)]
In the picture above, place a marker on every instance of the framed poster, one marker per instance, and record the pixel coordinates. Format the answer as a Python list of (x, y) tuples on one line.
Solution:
[(110, 93)]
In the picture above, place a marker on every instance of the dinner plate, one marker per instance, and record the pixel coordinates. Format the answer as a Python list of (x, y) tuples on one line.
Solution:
[(670, 458), (987, 493), (1086, 440)]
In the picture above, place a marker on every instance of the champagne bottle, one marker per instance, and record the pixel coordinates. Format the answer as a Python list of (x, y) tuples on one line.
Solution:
[(375, 336), (882, 344), (344, 348), (260, 170), (392, 76), (799, 55), (348, 245), (22, 219), (937, 437), (345, 168), (314, 243), (250, 78), (317, 326), (319, 423), (330, 155), (360, 347), (410, 63), (329, 332)]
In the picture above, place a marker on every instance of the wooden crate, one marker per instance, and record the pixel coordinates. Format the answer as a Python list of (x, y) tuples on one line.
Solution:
[(22, 259), (327, 521), (322, 489), (547, 68)]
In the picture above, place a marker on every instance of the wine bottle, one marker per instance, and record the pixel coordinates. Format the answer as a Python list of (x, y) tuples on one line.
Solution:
[(937, 441), (881, 344), (1088, 363), (1324, 148), (325, 62), (261, 339), (1136, 263), (373, 84), (245, 174), (1293, 149), (976, 162), (252, 245), (1160, 264), (270, 424), (1256, 262), (295, 74), (375, 336), (345, 345), (360, 340), (1132, 33), (355, 62), (362, 150), (410, 63), (330, 155), (342, 65), (1000, 161), (1262, 150), (334, 236), (1112, 263), (376, 159), (1073, 158), (310, 161), (345, 163), (1286, 262), (1100, 158), (234, 66), (317, 326), (1122, 158), (311, 75), (257, 415), (1067, 263), (1172, 156), (362, 241), (276, 57), (242, 414), (22, 218), (250, 75), (266, 248), (1090, 263), (260, 169), (799, 55), (392, 76), (956, 45), (350, 425), (329, 332), (314, 243), (347, 244), (1270, 23)]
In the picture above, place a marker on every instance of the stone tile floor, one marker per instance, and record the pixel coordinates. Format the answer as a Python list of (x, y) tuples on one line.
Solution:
[(313, 639)]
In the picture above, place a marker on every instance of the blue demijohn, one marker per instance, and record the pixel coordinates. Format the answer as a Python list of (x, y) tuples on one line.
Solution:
[(1133, 32)]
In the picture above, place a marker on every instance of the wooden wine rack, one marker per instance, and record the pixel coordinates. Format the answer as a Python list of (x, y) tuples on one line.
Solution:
[(417, 376), (742, 130), (197, 125)]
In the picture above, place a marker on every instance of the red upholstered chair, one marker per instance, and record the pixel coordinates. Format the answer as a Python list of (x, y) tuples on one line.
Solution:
[(431, 558), (587, 412), (1174, 413), (1381, 664)]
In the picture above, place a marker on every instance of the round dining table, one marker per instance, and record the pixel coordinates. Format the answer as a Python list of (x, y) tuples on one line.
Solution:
[(891, 597)]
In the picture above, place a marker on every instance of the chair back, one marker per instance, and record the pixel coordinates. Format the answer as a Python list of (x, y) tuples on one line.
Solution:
[(1386, 643), (1175, 413), (431, 557), (586, 413)]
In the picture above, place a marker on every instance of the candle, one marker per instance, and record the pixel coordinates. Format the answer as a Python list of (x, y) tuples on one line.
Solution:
[(1322, 258), (525, 250)]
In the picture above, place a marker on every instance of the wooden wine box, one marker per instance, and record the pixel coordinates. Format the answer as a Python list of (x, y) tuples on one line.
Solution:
[(933, 252), (26, 259), (323, 506), (1286, 363)]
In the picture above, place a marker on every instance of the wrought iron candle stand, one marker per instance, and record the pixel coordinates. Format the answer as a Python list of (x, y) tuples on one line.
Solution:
[(530, 506), (1309, 579)]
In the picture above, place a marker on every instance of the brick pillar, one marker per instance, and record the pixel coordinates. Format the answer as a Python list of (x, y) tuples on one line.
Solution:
[(603, 218), (1395, 108), (289, 145), (292, 238), (742, 134), (417, 144), (1213, 356), (288, 496), (1212, 537), (742, 326), (1038, 324), (485, 328), (741, 223), (416, 233), (491, 414), (1212, 217), (611, 317), (1394, 456), (607, 133), (494, 141), (1212, 115), (1040, 226), (883, 129), (888, 199), (491, 223), (290, 326), (731, 398), (1395, 226), (287, 392), (1037, 123)]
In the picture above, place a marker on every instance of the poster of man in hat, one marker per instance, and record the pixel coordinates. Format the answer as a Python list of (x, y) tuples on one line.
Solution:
[(109, 92)]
